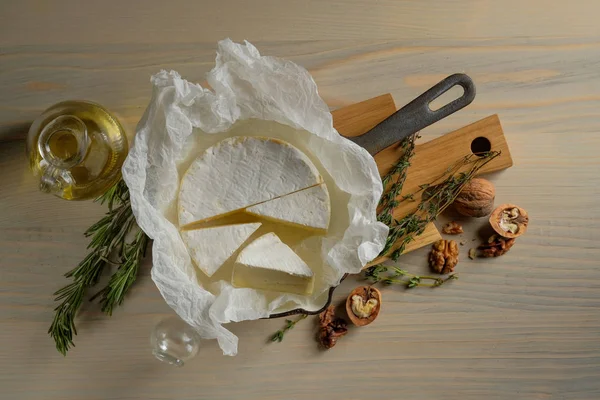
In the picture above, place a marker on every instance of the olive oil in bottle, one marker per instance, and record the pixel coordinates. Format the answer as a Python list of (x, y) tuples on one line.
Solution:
[(76, 150)]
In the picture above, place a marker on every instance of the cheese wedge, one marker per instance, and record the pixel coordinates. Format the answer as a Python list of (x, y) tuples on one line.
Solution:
[(239, 172), (309, 209), (211, 247), (269, 264)]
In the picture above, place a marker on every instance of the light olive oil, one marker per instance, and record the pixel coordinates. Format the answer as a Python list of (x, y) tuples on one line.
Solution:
[(76, 150)]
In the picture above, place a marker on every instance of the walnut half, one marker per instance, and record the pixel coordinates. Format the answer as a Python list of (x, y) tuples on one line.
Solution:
[(363, 305), (509, 220), (444, 256)]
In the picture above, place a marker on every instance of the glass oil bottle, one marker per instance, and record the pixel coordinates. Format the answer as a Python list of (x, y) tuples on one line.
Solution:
[(76, 150)]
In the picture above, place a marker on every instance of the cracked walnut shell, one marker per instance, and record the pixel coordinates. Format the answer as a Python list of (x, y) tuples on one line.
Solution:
[(476, 199), (509, 220), (444, 256), (363, 305)]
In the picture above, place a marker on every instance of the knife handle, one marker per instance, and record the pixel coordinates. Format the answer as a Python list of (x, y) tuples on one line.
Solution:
[(416, 115)]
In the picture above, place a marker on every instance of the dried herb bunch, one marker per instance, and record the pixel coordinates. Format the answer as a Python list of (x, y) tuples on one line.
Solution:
[(110, 238), (437, 196)]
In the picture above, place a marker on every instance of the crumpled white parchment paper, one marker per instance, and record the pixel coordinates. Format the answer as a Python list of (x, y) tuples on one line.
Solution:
[(251, 95)]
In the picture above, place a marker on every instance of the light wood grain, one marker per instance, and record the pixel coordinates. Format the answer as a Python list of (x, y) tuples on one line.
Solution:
[(523, 326), (356, 119)]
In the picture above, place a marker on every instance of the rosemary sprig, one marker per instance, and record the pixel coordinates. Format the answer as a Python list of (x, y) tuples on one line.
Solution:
[(118, 193), (289, 324), (120, 282), (108, 236), (63, 328), (381, 273)]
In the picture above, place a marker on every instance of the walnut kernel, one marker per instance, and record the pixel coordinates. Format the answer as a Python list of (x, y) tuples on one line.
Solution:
[(444, 256), (331, 328), (452, 228), (496, 246), (362, 309)]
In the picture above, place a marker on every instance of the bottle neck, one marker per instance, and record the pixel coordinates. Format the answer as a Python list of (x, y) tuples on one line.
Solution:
[(64, 142)]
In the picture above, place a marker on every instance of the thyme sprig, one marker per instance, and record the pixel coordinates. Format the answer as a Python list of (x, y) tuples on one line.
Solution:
[(389, 275), (289, 324), (437, 196), (109, 236), (389, 199)]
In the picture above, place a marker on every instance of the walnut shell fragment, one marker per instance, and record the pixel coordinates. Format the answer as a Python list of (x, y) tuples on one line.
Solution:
[(472, 253), (476, 199), (363, 305), (444, 256), (509, 220)]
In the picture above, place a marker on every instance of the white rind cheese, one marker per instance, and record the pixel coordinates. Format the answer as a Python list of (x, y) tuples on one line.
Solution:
[(211, 247), (239, 172), (269, 264), (309, 209)]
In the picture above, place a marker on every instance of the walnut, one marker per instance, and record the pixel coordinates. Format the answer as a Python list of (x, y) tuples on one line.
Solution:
[(452, 228), (496, 246), (444, 256), (363, 305), (509, 220), (476, 199), (330, 328)]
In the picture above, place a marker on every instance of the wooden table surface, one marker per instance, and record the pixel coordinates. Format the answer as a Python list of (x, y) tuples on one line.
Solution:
[(523, 326)]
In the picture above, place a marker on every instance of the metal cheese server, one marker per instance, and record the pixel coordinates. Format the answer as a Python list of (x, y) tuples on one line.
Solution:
[(408, 120)]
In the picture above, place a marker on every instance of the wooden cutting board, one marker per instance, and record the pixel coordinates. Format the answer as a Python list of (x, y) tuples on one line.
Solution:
[(431, 159)]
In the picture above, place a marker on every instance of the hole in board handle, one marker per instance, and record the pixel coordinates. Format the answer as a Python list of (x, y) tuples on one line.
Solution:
[(480, 146)]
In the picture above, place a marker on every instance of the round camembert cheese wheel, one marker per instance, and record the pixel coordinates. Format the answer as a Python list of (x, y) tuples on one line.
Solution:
[(240, 172)]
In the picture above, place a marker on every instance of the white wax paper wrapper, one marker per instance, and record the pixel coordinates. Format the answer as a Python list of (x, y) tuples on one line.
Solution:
[(252, 96)]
